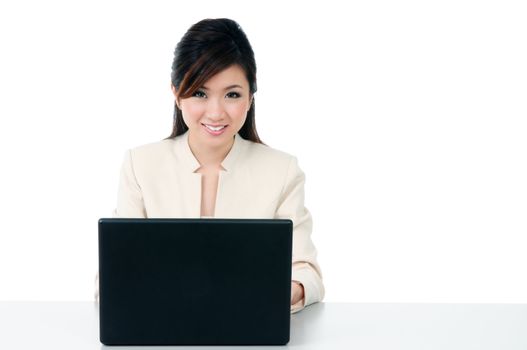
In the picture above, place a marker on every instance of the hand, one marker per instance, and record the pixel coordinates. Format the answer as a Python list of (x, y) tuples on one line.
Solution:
[(297, 292)]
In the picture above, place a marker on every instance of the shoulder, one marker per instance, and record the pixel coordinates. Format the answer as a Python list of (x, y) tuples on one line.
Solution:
[(270, 161), (273, 168), (266, 155)]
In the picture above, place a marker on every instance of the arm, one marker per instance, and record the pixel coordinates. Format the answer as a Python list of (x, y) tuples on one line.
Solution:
[(129, 200), (129, 197), (306, 270)]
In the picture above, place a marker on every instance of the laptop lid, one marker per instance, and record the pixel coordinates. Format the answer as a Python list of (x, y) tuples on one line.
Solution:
[(195, 281)]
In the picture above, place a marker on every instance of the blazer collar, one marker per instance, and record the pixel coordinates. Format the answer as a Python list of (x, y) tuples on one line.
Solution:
[(184, 152)]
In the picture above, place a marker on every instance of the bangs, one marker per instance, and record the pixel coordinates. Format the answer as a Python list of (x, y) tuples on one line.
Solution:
[(208, 65)]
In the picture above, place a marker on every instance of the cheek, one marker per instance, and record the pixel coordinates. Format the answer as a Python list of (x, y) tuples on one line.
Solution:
[(238, 110), (192, 111)]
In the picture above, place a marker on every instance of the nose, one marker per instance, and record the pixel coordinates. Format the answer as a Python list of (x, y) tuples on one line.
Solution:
[(215, 110)]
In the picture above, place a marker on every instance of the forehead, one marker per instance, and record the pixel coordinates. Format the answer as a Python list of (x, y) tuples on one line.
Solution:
[(233, 75)]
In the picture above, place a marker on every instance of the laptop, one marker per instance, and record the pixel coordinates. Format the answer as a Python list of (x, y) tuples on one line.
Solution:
[(195, 281)]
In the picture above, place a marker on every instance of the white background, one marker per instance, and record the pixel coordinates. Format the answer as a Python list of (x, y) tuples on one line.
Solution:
[(408, 118)]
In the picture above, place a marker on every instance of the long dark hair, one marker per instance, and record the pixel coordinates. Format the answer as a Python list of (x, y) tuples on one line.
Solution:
[(207, 48)]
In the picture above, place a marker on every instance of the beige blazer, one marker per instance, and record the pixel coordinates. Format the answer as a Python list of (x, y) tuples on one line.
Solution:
[(158, 180)]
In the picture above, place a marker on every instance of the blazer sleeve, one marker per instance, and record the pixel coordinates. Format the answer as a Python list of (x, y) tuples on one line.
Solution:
[(306, 269), (129, 200)]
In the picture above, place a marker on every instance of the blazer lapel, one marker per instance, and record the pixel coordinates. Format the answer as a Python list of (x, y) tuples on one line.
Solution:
[(231, 181), (227, 201), (187, 183)]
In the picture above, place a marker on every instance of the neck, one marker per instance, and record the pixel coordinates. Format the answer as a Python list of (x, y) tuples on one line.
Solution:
[(207, 155)]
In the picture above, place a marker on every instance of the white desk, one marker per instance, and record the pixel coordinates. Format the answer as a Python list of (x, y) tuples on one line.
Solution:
[(74, 326)]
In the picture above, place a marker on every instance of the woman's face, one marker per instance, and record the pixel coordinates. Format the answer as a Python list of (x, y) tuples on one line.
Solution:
[(217, 110)]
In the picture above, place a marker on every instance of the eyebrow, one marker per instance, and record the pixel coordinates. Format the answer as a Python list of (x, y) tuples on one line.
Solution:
[(227, 88)]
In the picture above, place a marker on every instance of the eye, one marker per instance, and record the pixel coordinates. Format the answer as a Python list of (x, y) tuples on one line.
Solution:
[(199, 94), (233, 95)]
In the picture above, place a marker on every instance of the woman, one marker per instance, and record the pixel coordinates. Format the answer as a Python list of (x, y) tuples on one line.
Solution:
[(214, 163)]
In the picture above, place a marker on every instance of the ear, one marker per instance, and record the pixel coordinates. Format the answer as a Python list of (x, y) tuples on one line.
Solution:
[(250, 102), (174, 91)]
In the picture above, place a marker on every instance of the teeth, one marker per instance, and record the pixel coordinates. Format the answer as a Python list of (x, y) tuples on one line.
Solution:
[(214, 128)]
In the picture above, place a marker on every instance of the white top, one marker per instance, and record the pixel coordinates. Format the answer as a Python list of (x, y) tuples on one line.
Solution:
[(159, 180)]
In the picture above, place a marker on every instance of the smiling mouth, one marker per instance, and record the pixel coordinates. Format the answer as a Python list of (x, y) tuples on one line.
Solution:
[(215, 128)]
